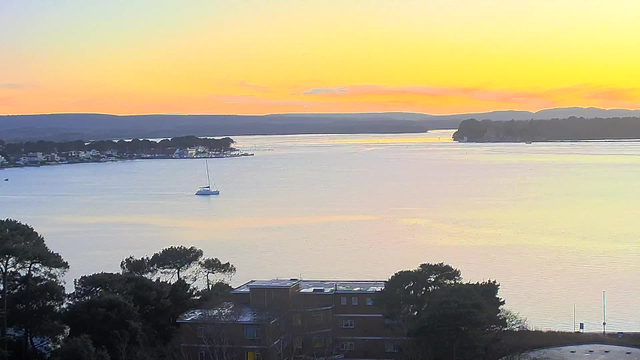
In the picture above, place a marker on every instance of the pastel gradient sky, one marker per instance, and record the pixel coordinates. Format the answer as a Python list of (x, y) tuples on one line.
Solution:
[(272, 56)]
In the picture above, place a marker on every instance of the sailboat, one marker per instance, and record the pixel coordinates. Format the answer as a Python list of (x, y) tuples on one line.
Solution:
[(208, 190)]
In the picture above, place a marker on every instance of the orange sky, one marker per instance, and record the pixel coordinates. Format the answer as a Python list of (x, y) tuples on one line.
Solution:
[(271, 56)]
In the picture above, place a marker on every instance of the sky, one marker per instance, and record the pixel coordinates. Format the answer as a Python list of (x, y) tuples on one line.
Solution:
[(284, 56)]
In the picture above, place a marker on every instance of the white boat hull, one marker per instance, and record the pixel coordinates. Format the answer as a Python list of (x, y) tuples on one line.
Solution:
[(207, 192)]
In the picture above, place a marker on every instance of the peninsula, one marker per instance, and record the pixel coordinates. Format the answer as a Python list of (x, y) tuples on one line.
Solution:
[(36, 153)]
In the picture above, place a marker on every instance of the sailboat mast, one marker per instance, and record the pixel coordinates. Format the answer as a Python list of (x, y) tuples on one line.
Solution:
[(208, 177)]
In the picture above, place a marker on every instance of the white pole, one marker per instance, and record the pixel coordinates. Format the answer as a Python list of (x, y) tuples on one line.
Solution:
[(604, 314), (574, 317)]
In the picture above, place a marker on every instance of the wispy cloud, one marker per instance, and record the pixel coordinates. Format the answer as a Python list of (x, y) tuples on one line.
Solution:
[(243, 84), (539, 99), (317, 91), (614, 94), (254, 100), (252, 86), (13, 86), (434, 92)]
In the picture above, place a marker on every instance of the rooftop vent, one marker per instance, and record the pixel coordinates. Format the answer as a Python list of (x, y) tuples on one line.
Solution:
[(318, 289)]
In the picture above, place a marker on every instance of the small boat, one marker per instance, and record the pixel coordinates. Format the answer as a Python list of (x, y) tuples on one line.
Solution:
[(208, 190)]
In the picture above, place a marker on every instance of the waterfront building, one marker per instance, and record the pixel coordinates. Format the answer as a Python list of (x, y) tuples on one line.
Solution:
[(293, 319)]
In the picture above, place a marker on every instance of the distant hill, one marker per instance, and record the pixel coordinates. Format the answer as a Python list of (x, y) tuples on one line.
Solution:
[(547, 114), (62, 127)]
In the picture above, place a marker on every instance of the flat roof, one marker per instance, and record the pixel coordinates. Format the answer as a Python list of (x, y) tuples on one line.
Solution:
[(228, 312), (588, 351), (272, 284), (315, 286)]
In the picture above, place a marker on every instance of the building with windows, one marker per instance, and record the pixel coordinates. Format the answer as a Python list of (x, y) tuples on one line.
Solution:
[(293, 319)]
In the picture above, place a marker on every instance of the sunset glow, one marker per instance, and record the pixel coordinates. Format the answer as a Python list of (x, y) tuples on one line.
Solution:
[(258, 57)]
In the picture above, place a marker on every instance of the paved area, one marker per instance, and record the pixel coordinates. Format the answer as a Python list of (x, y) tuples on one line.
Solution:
[(584, 352)]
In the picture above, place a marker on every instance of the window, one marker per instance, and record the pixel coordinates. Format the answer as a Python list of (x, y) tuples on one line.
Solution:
[(317, 318), (202, 355), (347, 346), (252, 332), (253, 355), (200, 331), (354, 300), (343, 300), (318, 342), (369, 301), (297, 319), (297, 343), (391, 346), (348, 324)]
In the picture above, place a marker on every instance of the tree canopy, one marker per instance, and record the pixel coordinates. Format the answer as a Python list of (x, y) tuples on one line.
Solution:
[(124, 315), (79, 348), (407, 292), (444, 317), (175, 260), (212, 267), (141, 266), (109, 320), (461, 322), (31, 284)]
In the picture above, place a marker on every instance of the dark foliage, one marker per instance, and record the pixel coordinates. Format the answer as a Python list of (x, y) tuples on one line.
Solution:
[(32, 293), (443, 317), (175, 260), (109, 315), (462, 322), (407, 292), (212, 267), (79, 348), (110, 321), (141, 266), (572, 128)]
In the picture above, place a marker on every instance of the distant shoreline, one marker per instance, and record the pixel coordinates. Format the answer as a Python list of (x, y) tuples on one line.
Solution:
[(44, 153), (16, 166)]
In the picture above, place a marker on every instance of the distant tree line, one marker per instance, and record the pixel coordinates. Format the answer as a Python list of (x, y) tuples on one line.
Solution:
[(3, 152), (572, 128), (135, 146)]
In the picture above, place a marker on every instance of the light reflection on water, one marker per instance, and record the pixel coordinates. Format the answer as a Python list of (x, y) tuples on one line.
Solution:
[(554, 223)]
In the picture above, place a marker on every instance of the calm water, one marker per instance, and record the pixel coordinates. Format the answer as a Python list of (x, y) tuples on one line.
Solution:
[(554, 223)]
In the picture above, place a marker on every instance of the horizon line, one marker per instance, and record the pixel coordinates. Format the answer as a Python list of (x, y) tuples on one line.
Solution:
[(326, 113)]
